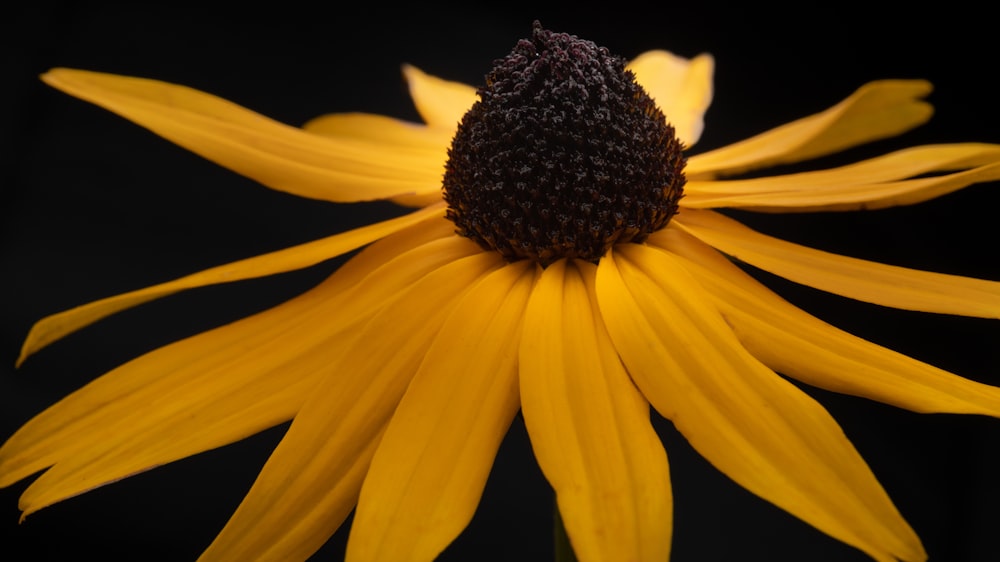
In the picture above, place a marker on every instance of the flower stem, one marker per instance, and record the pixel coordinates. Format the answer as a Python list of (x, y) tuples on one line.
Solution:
[(564, 550)]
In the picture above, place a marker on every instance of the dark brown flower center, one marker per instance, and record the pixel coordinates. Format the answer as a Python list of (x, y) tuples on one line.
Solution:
[(563, 156)]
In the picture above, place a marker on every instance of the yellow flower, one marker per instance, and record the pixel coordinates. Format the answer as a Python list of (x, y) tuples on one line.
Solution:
[(403, 370)]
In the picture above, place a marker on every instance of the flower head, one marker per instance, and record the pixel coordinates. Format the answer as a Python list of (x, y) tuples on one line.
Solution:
[(550, 266), (563, 156)]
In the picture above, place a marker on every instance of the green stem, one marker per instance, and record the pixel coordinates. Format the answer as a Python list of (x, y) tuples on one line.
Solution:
[(564, 550)]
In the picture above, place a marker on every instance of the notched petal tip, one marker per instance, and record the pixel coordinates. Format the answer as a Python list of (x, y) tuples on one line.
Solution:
[(876, 110)]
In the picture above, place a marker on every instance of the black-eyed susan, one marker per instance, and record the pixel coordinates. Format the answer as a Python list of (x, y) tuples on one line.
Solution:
[(575, 269)]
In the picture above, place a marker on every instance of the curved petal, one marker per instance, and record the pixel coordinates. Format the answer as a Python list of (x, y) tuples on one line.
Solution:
[(868, 281), (875, 111), (589, 426), (753, 425), (431, 466), (795, 343), (682, 89), (441, 103), (870, 184), (277, 155), (311, 482), (59, 325), (213, 388)]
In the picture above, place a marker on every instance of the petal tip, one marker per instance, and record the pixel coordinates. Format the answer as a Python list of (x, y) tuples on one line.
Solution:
[(60, 73), (409, 70), (51, 76)]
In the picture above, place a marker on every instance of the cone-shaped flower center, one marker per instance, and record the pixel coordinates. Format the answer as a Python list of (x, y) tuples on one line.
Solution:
[(563, 155)]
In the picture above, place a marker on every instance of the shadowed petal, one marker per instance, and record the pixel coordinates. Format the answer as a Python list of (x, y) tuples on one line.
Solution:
[(310, 483), (441, 103), (682, 89), (432, 143), (56, 326), (753, 425), (797, 344), (877, 110), (867, 281), (277, 155), (384, 131), (871, 184), (431, 466), (589, 426)]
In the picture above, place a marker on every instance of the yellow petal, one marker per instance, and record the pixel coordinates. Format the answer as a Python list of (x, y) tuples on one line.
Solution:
[(52, 328), (213, 388), (386, 249), (277, 155), (127, 401), (863, 280), (294, 529), (682, 89), (431, 466), (589, 426), (311, 482), (161, 423), (351, 292), (875, 111), (795, 343), (387, 133), (441, 103), (866, 185), (750, 423), (382, 130)]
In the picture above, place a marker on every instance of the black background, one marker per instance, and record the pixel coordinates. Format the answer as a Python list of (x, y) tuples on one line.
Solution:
[(93, 205)]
